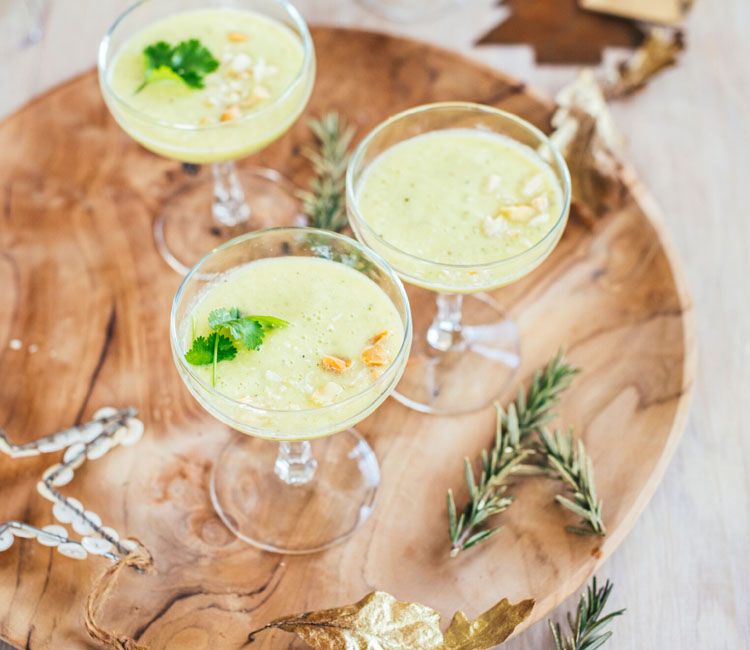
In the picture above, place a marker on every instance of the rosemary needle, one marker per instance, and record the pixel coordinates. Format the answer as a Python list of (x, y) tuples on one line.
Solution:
[(324, 202)]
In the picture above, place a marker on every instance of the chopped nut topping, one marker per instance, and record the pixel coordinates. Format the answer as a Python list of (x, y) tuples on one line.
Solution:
[(379, 336), (261, 92), (374, 355), (335, 364), (539, 219), (249, 102), (240, 63), (491, 183), (518, 213), (540, 203), (237, 37), (262, 69), (494, 227), (533, 185), (326, 394), (232, 113)]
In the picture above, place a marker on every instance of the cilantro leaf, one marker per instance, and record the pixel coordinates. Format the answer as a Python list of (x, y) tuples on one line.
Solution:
[(189, 61), (192, 61), (157, 55), (202, 351), (248, 330), (219, 317), (229, 327), (269, 322)]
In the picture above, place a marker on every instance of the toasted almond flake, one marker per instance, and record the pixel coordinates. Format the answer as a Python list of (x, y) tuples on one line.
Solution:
[(335, 364), (533, 185), (237, 37), (494, 227), (240, 63), (262, 69), (326, 394), (382, 334), (539, 219), (231, 113), (518, 213), (374, 355), (491, 183), (540, 203), (249, 102)]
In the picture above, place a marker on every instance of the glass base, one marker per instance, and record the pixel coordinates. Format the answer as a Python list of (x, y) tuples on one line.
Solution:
[(295, 516), (185, 228), (478, 364)]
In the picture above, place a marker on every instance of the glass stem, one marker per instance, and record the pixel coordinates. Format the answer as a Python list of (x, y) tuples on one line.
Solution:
[(445, 329), (295, 464), (229, 206)]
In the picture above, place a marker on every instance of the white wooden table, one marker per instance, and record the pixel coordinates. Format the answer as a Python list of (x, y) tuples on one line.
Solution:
[(684, 572)]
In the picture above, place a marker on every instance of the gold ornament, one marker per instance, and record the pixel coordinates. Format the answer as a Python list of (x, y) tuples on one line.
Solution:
[(380, 621)]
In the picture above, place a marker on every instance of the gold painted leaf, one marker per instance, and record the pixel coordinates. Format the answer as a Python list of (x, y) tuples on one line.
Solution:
[(487, 630), (378, 621)]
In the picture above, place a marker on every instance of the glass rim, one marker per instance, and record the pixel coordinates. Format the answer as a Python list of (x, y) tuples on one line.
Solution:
[(353, 204), (396, 362), (308, 53)]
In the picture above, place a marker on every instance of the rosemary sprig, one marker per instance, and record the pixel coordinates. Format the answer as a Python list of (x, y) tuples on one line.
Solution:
[(526, 415), (324, 202), (586, 627), (488, 497), (535, 406), (568, 461)]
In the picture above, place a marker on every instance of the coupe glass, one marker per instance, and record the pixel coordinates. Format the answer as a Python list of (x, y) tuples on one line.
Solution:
[(189, 222), (464, 355), (309, 489)]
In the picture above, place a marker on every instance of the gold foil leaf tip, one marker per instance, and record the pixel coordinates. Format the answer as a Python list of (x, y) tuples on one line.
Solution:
[(489, 629)]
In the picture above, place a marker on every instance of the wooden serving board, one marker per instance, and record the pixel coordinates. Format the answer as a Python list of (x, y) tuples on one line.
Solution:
[(82, 280)]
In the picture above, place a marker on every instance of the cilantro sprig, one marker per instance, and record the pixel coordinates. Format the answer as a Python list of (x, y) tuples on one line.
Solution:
[(229, 329), (188, 61)]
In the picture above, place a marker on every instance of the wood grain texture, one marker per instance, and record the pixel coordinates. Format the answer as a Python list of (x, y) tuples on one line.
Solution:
[(85, 284)]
